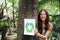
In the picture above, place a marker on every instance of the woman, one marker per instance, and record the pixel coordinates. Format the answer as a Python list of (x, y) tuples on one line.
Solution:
[(44, 25)]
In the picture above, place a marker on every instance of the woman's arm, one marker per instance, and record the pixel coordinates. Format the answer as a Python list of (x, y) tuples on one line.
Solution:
[(46, 34)]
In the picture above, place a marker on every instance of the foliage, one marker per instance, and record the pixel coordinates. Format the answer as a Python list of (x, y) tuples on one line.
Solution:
[(51, 5)]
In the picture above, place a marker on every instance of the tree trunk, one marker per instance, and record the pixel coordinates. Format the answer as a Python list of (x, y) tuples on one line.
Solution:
[(27, 9)]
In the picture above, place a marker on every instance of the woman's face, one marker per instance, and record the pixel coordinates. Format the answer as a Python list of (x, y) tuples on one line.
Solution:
[(43, 15)]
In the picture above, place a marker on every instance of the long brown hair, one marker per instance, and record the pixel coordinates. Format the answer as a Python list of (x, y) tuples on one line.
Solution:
[(40, 21)]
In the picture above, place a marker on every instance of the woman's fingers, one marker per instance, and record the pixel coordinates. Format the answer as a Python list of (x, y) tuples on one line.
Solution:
[(35, 31)]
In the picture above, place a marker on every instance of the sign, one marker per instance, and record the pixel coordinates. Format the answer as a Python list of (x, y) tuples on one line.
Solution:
[(29, 26)]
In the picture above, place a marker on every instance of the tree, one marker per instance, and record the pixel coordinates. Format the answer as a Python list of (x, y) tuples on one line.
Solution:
[(27, 9)]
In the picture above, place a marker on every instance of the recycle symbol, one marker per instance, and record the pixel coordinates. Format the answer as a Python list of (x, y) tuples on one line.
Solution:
[(29, 27)]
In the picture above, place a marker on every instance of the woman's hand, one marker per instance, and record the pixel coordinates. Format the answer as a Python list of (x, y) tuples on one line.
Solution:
[(36, 31)]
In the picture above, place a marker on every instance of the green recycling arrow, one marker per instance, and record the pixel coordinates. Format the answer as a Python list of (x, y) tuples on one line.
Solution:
[(29, 27)]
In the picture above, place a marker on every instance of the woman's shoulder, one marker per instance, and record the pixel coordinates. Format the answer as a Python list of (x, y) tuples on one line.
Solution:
[(50, 25)]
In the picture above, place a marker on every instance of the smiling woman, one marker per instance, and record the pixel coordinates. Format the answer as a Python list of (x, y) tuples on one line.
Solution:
[(44, 25)]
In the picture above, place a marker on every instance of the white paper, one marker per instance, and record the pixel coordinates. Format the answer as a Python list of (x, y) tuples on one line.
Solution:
[(29, 26)]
